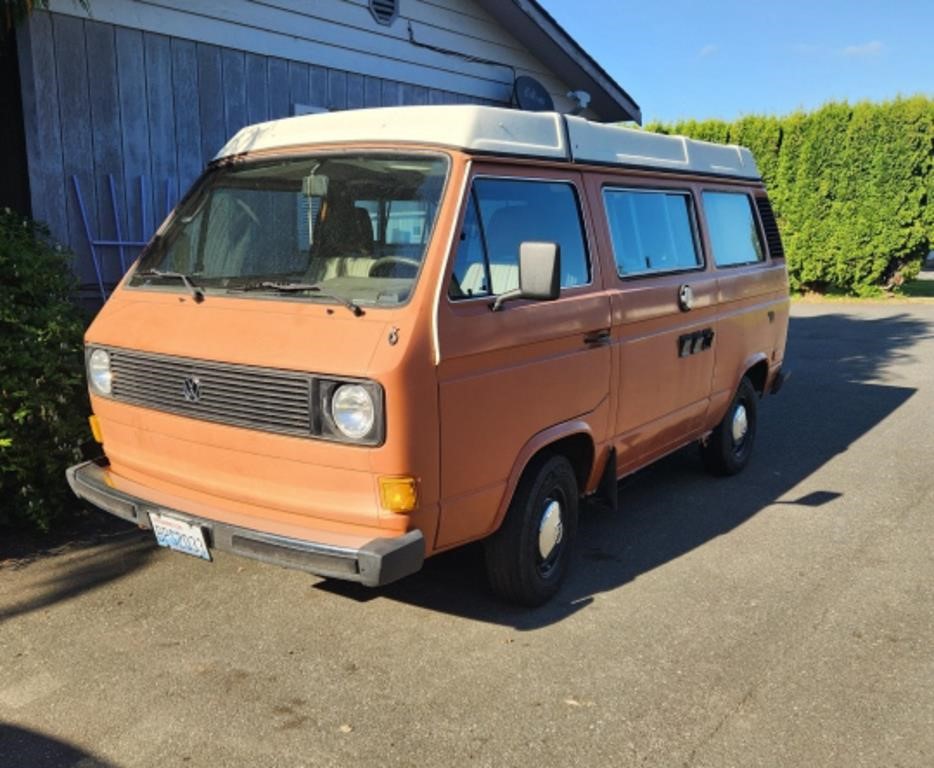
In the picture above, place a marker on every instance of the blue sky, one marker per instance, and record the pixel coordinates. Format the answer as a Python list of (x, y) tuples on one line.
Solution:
[(727, 58)]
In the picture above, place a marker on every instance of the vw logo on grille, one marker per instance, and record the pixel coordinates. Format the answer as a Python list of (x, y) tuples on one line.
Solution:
[(191, 389)]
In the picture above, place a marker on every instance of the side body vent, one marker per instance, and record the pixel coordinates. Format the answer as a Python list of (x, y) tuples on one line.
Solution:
[(384, 11), (772, 236)]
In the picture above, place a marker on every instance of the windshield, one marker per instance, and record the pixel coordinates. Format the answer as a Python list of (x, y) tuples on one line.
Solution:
[(354, 227)]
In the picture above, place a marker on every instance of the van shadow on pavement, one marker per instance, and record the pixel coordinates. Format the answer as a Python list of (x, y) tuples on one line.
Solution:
[(25, 748), (82, 570), (672, 507)]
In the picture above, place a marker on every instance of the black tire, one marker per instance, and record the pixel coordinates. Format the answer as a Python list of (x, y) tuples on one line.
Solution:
[(723, 454), (517, 570)]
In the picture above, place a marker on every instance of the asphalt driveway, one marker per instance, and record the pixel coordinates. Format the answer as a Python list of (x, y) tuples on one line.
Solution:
[(784, 617)]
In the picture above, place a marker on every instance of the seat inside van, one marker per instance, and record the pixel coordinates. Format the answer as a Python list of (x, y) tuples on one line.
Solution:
[(504, 276), (506, 229), (344, 239)]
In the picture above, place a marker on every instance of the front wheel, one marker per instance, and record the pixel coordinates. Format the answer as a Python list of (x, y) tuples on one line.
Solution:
[(528, 558), (729, 446)]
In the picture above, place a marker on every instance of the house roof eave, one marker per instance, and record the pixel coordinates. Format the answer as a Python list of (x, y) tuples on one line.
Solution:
[(536, 29)]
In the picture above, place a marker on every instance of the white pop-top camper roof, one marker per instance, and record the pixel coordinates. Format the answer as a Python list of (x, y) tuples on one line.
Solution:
[(501, 131)]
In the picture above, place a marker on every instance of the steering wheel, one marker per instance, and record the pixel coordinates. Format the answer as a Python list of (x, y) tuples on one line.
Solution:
[(378, 266)]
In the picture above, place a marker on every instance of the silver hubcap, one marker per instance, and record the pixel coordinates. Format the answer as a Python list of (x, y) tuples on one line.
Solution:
[(740, 424), (550, 530)]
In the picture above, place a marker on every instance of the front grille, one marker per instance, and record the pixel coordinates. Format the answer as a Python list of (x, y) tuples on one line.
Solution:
[(257, 398)]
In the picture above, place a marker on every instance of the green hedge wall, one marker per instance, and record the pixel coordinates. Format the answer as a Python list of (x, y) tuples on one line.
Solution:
[(852, 188), (43, 397)]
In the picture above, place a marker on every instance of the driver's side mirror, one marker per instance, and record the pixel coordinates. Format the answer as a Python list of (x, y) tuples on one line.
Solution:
[(539, 274)]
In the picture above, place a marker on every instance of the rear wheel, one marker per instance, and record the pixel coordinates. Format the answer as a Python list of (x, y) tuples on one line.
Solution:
[(528, 558), (729, 446)]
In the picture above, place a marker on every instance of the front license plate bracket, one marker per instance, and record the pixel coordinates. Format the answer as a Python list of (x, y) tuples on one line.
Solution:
[(179, 535)]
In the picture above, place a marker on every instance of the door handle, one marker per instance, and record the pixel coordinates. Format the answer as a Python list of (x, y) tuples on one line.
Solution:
[(597, 337), (685, 298)]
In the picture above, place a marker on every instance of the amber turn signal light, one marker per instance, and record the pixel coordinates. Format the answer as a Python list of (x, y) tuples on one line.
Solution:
[(398, 494), (96, 429)]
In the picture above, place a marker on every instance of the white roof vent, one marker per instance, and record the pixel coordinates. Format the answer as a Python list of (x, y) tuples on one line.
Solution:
[(614, 145), (498, 131), (466, 126), (384, 11)]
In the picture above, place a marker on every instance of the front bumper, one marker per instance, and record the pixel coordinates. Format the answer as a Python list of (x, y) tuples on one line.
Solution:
[(377, 562)]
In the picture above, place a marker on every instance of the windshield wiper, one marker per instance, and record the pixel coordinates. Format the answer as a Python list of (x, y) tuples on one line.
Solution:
[(196, 292), (300, 288)]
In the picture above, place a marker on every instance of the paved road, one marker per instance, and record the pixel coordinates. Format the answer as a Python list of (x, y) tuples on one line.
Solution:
[(781, 618)]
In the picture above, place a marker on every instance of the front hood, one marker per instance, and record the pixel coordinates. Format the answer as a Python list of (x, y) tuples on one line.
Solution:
[(291, 335)]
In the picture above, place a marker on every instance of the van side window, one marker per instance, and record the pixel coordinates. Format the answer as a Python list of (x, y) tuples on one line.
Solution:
[(470, 276), (731, 223), (503, 213), (652, 231)]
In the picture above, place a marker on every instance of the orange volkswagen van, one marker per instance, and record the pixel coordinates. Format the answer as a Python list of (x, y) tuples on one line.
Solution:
[(367, 337)]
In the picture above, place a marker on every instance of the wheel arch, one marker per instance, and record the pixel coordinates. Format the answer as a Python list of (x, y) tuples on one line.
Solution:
[(573, 440), (756, 369)]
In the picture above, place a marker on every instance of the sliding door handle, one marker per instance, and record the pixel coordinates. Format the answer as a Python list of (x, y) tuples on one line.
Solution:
[(685, 298), (595, 338)]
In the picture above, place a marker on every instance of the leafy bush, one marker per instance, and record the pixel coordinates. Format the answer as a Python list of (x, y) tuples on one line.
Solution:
[(851, 187), (43, 400)]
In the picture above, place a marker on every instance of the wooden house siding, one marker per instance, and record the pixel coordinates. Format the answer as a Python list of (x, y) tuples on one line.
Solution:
[(105, 99), (343, 35)]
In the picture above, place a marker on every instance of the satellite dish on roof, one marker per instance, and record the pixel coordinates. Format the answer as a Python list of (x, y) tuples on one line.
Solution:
[(531, 96)]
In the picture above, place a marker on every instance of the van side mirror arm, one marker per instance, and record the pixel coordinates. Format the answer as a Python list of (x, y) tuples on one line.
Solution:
[(497, 303)]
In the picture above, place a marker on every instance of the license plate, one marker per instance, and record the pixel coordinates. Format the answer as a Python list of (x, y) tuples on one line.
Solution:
[(178, 535)]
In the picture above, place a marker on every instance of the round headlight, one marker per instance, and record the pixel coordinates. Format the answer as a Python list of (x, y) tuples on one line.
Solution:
[(99, 372), (353, 411)]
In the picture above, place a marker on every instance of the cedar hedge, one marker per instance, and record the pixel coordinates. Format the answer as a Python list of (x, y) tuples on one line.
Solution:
[(852, 188), (43, 399)]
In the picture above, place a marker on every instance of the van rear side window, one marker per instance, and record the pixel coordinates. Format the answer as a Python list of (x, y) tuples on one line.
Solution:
[(503, 213), (652, 231), (734, 236)]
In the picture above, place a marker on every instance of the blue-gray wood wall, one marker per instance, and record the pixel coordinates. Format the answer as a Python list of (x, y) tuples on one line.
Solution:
[(100, 99)]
